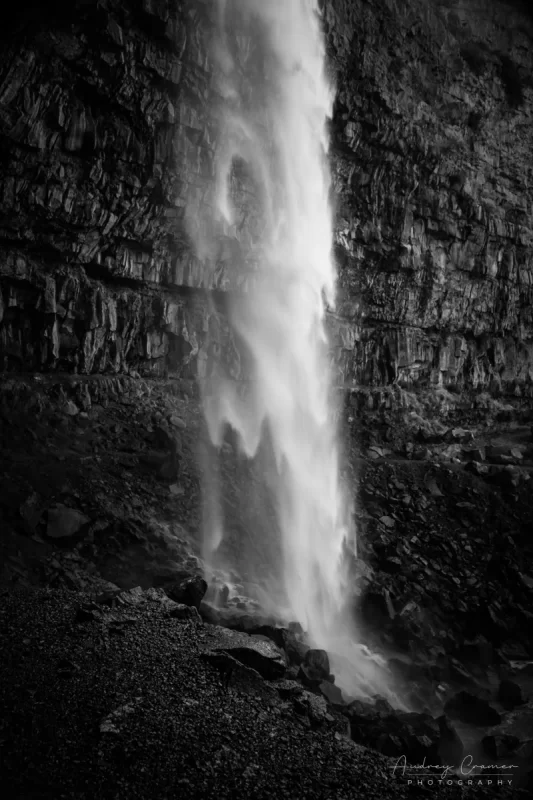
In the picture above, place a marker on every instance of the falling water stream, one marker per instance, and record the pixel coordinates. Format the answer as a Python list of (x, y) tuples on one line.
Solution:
[(275, 102)]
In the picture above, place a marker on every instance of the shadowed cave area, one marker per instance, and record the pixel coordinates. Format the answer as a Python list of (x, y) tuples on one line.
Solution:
[(134, 663)]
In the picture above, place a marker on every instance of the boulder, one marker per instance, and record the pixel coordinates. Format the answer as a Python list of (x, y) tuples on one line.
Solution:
[(510, 694), (314, 708), (64, 522), (314, 668), (237, 676), (252, 651), (318, 662), (235, 619), (295, 649), (190, 591), (332, 693)]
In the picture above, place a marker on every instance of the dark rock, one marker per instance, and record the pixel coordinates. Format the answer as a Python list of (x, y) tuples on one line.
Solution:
[(88, 612), (471, 709), (238, 676), (373, 606), (64, 522), (500, 745), (31, 510), (309, 678), (99, 300), (392, 745), (332, 693), (184, 612), (235, 619), (527, 581), (317, 662), (394, 733), (510, 694), (257, 653), (314, 707), (450, 746), (295, 649), (477, 651), (190, 591)]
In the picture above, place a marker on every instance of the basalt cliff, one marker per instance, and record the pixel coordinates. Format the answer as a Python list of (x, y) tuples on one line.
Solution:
[(108, 142)]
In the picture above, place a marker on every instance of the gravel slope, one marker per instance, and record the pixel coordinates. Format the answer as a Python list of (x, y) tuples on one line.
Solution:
[(123, 705)]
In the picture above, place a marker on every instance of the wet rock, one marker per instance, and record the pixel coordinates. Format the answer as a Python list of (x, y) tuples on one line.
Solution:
[(64, 522), (318, 662), (295, 649), (314, 668), (257, 653), (190, 591), (332, 693), (235, 619), (471, 709)]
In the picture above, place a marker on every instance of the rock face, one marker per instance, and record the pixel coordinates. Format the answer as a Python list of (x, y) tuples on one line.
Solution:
[(108, 146)]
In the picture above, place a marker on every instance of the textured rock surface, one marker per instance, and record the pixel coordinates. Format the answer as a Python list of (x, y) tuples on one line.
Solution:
[(106, 139)]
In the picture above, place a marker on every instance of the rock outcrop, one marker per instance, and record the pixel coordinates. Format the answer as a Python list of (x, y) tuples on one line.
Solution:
[(108, 146)]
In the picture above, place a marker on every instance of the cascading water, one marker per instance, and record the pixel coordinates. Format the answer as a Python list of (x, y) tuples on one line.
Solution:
[(275, 100)]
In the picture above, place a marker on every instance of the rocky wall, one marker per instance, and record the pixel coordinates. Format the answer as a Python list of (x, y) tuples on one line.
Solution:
[(107, 148)]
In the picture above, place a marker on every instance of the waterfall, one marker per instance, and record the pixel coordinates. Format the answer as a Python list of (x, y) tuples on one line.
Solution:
[(271, 200)]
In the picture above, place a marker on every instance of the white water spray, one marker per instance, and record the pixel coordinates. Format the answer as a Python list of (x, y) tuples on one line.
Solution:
[(276, 101)]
